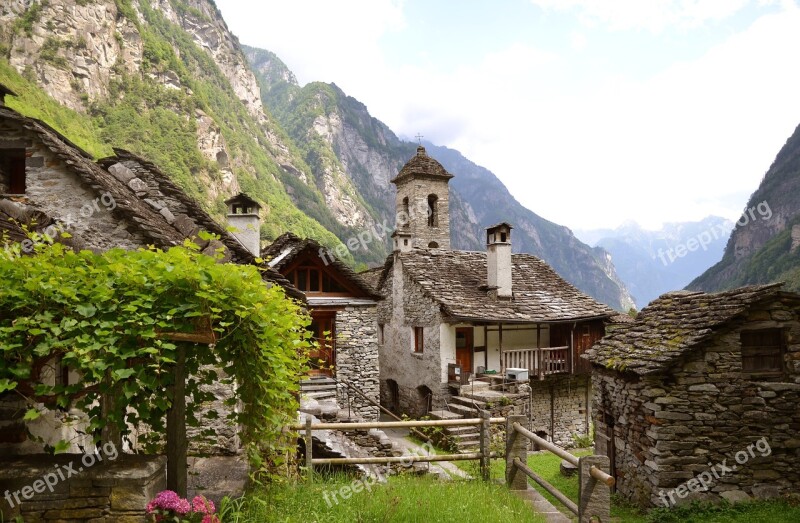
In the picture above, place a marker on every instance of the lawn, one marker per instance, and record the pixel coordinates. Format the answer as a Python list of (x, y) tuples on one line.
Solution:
[(403, 498), (547, 465)]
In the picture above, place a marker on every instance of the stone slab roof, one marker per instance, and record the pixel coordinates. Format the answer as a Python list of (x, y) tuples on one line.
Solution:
[(673, 325), (372, 277), (457, 281), (151, 205), (286, 247), (421, 164)]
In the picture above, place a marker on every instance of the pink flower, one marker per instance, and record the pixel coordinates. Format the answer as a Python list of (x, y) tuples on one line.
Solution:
[(167, 500), (202, 505)]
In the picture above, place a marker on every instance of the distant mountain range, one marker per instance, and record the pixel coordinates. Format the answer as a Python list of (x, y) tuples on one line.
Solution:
[(651, 263), (765, 246)]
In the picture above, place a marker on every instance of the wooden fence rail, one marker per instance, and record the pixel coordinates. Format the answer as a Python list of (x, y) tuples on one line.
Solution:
[(484, 454), (594, 491)]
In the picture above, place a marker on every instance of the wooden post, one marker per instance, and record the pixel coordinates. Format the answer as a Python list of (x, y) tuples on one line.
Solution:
[(500, 344), (309, 450), (516, 447), (594, 495), (485, 445), (176, 428)]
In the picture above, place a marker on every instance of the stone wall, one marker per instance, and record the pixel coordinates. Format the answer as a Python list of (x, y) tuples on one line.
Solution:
[(357, 358), (701, 415), (56, 191), (113, 492), (567, 398), (406, 307), (417, 190)]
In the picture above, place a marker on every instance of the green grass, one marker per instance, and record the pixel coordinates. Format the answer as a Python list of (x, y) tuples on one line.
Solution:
[(401, 499), (547, 465)]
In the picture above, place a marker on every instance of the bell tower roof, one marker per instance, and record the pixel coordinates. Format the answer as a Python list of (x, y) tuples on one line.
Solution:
[(421, 165)]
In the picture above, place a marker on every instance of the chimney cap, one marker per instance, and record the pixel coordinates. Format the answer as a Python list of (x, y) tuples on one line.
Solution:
[(243, 200), (499, 234), (492, 228)]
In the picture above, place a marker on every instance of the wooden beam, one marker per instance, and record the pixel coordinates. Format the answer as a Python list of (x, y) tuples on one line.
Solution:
[(176, 428), (397, 424)]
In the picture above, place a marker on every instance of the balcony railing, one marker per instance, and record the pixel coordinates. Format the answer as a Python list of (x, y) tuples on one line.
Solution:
[(539, 362)]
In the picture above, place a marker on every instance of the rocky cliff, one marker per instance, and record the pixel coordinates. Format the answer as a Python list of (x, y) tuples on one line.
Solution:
[(763, 246), (168, 80)]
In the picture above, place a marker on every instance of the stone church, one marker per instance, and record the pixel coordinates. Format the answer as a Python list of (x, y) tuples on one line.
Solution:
[(477, 314)]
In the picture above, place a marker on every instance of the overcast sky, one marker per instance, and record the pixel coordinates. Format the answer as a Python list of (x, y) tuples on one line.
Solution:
[(592, 112)]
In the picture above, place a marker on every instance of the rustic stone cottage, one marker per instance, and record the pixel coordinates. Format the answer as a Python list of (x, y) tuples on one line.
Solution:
[(50, 184), (343, 311), (698, 398), (449, 311)]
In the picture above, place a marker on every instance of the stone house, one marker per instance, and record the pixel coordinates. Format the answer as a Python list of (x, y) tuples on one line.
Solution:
[(698, 398), (50, 184), (343, 309), (449, 311)]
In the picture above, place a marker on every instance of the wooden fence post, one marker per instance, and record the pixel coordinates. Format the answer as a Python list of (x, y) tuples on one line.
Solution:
[(594, 496), (309, 450), (176, 428), (516, 447), (486, 440)]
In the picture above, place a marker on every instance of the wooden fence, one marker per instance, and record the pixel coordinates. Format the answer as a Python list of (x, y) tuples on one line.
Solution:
[(484, 453), (594, 492)]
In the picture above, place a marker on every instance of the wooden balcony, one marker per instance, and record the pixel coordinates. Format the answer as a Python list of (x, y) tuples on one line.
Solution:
[(540, 362)]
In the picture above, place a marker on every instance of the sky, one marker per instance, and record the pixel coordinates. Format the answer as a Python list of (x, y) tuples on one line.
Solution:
[(592, 112)]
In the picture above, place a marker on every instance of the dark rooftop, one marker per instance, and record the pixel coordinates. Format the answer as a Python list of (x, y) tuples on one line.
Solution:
[(673, 325)]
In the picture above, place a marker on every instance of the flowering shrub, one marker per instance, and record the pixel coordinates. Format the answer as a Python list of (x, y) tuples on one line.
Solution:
[(167, 506)]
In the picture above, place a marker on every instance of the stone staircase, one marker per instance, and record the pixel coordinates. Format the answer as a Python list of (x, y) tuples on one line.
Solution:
[(318, 388), (466, 405)]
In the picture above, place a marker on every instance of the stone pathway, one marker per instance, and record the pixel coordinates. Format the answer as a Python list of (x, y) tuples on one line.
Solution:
[(542, 506), (399, 438)]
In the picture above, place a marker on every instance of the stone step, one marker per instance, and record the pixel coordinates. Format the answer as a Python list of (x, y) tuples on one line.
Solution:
[(468, 444), (322, 395), (469, 402), (460, 431), (317, 388), (482, 395), (463, 410), (320, 380), (443, 414)]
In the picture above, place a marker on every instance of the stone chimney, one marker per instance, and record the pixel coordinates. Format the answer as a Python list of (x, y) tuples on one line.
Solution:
[(498, 260), (243, 217)]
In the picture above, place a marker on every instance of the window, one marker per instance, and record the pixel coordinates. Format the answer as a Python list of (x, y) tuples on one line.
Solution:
[(380, 333), (313, 279), (433, 220), (12, 171), (405, 217), (418, 339), (762, 352)]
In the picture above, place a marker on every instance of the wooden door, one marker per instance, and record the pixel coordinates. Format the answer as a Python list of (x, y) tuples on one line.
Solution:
[(464, 348), (323, 357)]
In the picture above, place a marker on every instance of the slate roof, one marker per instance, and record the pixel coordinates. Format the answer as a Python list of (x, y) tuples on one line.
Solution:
[(372, 277), (457, 281), (175, 216), (673, 325), (421, 164), (288, 246)]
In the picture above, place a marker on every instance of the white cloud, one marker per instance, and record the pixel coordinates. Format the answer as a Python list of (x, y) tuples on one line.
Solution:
[(687, 142), (652, 15), (318, 39)]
